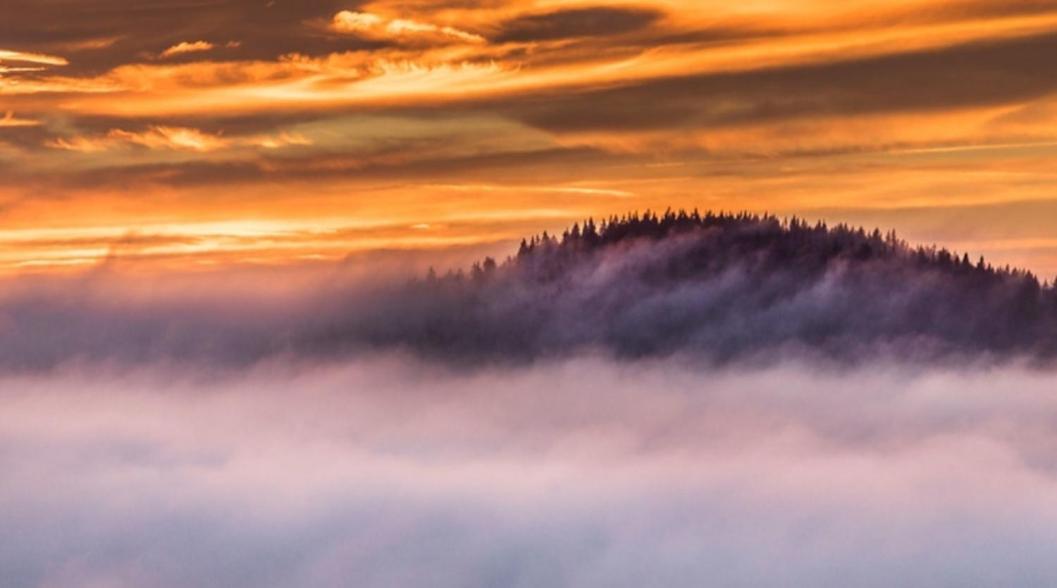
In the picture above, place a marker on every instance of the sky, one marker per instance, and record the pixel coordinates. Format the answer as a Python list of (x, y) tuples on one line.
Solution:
[(204, 134)]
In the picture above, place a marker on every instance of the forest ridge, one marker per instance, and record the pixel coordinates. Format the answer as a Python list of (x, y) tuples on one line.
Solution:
[(724, 285)]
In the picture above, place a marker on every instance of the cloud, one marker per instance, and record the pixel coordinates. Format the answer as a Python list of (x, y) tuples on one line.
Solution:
[(373, 25), (76, 30), (284, 139), (174, 139), (597, 21), (180, 139), (19, 56), (1001, 74), (177, 139), (185, 47)]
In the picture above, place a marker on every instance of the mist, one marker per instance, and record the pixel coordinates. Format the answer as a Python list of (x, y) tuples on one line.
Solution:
[(650, 413), (725, 288), (388, 470)]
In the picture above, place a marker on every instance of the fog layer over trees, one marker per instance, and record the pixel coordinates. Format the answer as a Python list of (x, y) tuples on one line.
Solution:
[(723, 286), (715, 287)]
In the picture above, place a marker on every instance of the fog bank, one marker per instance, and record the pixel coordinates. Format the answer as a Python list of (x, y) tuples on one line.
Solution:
[(387, 471)]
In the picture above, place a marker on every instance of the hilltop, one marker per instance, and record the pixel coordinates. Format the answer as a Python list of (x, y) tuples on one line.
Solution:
[(719, 285)]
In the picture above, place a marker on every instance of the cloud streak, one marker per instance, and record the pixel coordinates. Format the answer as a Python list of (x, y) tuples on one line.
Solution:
[(373, 25), (23, 57), (176, 139), (185, 47)]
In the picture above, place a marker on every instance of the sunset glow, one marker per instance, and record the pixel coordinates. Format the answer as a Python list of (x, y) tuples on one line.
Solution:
[(399, 114)]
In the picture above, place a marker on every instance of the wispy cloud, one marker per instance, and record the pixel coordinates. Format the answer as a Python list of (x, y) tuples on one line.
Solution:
[(174, 138), (376, 26), (186, 47), (24, 57), (158, 137)]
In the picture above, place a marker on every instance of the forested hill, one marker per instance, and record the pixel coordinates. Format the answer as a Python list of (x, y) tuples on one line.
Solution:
[(720, 286)]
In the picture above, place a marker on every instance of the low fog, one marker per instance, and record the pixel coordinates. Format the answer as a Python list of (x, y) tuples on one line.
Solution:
[(388, 471)]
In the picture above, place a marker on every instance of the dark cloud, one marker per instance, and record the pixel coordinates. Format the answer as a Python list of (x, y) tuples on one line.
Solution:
[(977, 74), (963, 9), (598, 21), (512, 165), (25, 138)]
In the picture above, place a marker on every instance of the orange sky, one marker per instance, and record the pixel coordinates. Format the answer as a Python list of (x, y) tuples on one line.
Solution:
[(253, 131)]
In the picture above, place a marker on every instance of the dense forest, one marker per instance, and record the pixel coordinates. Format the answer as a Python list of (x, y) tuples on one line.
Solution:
[(722, 286)]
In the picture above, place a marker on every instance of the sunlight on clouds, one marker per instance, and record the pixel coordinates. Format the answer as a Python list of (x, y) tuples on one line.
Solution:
[(954, 130), (412, 112), (576, 190), (295, 80), (268, 242), (188, 47), (179, 139), (174, 138), (375, 26), (393, 77), (278, 141), (19, 56)]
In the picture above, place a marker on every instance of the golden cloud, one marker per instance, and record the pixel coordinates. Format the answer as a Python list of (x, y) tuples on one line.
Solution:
[(157, 137), (372, 25), (188, 47), (19, 56), (174, 139)]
